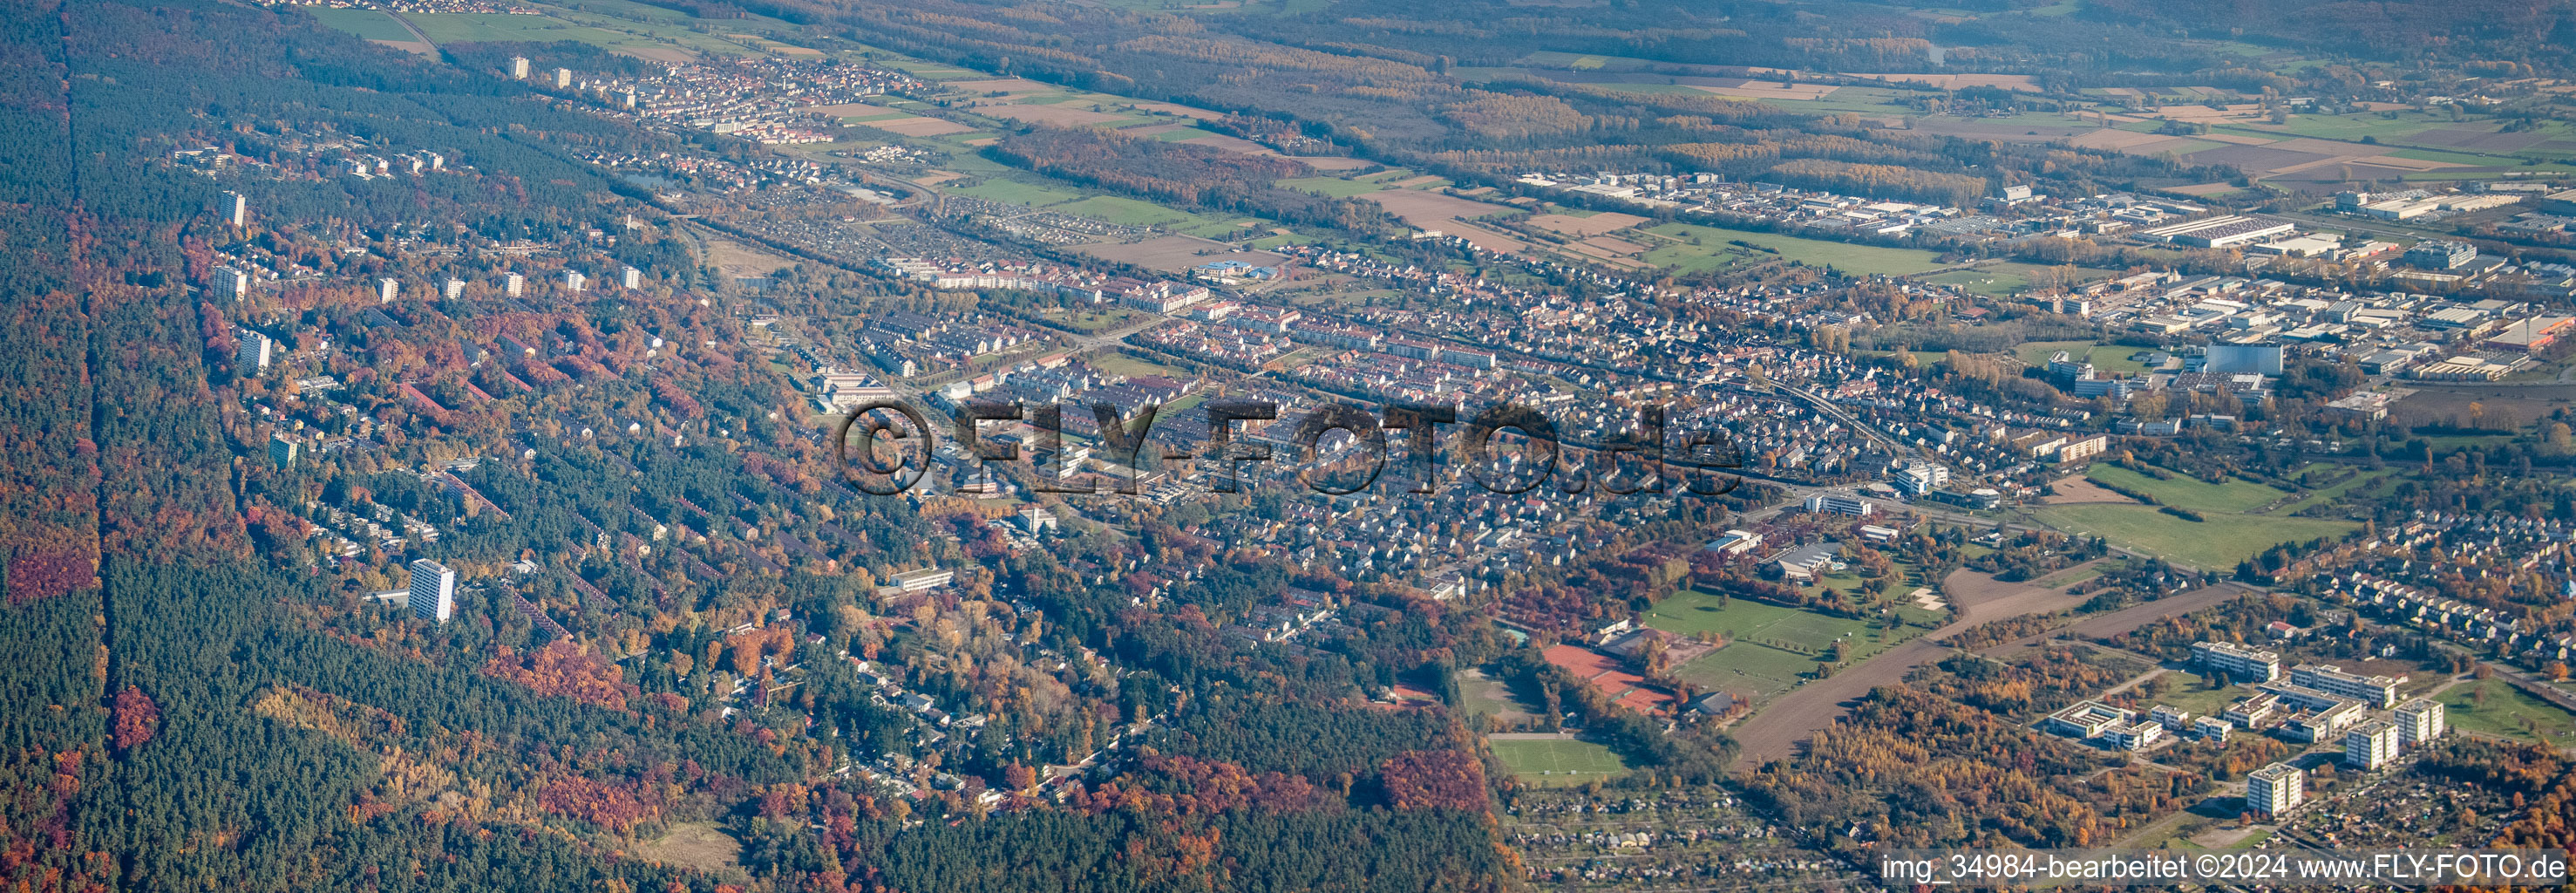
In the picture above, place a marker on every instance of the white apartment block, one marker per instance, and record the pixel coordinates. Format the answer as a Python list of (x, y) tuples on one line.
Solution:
[(2275, 789), (2420, 721), (256, 350), (232, 283), (433, 591), (2237, 661), (2370, 745), (2377, 691)]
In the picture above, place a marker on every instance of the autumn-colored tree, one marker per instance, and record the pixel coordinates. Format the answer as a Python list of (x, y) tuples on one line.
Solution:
[(136, 718)]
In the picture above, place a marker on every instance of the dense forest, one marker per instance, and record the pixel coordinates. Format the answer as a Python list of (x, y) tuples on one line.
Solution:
[(204, 700)]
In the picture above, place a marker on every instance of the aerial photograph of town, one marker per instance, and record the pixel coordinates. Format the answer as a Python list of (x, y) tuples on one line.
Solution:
[(1195, 446)]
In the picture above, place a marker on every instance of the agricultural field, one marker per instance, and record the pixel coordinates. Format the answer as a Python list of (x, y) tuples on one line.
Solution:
[(1335, 187), (1716, 250), (1558, 762), (368, 24), (600, 31)]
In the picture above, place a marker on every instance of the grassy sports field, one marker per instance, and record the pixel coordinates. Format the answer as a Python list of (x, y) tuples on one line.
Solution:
[(1558, 763)]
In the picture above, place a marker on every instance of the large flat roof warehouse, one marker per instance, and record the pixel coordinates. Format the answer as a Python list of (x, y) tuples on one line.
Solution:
[(2221, 231)]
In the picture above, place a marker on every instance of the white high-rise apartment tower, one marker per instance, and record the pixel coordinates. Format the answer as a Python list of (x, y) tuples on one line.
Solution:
[(433, 591)]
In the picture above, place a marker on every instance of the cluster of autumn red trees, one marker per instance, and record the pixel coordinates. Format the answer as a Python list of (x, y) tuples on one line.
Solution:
[(136, 718), (617, 807), (1182, 785), (1433, 779), (565, 669)]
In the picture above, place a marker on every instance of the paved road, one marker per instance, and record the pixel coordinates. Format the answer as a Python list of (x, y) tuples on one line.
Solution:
[(415, 31)]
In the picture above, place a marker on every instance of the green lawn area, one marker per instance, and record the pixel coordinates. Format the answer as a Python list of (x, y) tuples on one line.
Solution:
[(2104, 357), (1126, 211), (1089, 320), (2191, 691), (2073, 575), (1991, 283), (1182, 407), (1748, 670), (1122, 364), (2508, 712), (2349, 127), (1715, 251), (2334, 491), (2216, 544), (368, 24), (1206, 228), (1562, 763), (1749, 621), (2008, 279), (1009, 191), (1751, 665), (2183, 491)]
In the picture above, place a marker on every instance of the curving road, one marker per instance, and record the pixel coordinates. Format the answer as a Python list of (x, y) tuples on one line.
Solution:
[(1776, 731)]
